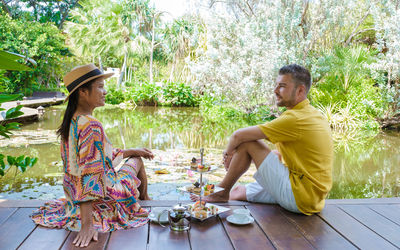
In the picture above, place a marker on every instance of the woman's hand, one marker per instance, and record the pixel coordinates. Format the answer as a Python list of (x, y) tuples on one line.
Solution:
[(85, 236), (145, 153), (87, 232), (138, 152)]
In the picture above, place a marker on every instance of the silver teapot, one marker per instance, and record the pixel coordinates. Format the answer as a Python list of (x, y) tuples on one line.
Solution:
[(179, 217)]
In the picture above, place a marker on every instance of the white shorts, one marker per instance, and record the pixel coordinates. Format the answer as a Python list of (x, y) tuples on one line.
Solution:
[(272, 184)]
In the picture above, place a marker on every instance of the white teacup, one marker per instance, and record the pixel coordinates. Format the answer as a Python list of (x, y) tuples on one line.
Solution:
[(240, 218), (241, 211), (158, 210)]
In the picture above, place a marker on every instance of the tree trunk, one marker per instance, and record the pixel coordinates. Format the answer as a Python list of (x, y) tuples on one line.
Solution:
[(171, 75), (64, 14), (122, 73), (151, 53), (100, 64), (5, 8)]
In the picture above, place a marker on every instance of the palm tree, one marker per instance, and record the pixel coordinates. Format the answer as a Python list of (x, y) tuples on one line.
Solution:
[(180, 40), (114, 28)]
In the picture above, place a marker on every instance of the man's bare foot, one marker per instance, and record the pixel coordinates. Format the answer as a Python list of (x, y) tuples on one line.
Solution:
[(215, 197)]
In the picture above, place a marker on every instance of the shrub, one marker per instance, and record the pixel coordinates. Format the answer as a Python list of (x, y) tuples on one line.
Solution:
[(178, 94), (144, 94), (114, 95)]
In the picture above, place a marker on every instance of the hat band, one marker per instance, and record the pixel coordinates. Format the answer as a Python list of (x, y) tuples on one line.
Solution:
[(86, 76)]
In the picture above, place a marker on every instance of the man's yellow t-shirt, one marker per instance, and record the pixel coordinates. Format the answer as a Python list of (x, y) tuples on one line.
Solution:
[(303, 137)]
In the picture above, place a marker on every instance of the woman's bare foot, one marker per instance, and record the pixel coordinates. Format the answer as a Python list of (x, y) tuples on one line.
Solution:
[(215, 197)]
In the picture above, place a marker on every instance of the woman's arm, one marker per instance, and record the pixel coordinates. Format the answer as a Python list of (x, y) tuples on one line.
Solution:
[(87, 232)]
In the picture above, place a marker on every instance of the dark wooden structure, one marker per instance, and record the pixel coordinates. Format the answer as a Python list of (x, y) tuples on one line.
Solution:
[(343, 224)]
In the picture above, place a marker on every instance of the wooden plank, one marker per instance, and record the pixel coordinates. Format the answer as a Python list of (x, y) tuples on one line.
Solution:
[(6, 212), (17, 227), (317, 232), (390, 212), (393, 200), (165, 238), (21, 203), (45, 238), (170, 203), (247, 236), (150, 203), (125, 239), (374, 221), (353, 230), (209, 234), (133, 238), (279, 230), (100, 244), (162, 203)]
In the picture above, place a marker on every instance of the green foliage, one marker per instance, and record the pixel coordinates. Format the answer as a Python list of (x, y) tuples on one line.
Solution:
[(178, 94), (44, 43), (42, 11), (345, 90), (217, 111), (21, 162), (147, 94), (114, 95)]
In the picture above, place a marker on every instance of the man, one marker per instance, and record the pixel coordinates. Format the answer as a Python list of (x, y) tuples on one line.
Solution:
[(299, 175)]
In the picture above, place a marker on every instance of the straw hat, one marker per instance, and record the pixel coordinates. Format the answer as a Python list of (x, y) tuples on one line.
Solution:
[(81, 75)]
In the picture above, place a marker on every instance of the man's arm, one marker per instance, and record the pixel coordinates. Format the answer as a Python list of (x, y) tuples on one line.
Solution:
[(242, 135)]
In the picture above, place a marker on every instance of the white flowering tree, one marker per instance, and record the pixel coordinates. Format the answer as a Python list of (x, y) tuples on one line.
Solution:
[(248, 41), (387, 19)]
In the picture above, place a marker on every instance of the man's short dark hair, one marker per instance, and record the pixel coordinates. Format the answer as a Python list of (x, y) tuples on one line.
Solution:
[(300, 75)]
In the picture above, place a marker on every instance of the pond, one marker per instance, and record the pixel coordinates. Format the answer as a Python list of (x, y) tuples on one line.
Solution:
[(365, 166)]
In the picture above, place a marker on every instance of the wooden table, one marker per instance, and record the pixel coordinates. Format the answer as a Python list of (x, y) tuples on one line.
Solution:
[(343, 224)]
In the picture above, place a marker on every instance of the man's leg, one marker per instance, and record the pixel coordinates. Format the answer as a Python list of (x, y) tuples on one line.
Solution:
[(238, 193), (141, 175), (255, 151)]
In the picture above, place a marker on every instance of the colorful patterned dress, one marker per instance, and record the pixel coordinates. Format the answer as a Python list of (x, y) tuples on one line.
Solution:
[(89, 175)]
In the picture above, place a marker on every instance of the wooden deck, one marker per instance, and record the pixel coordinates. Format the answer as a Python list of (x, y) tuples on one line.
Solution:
[(29, 108), (343, 224)]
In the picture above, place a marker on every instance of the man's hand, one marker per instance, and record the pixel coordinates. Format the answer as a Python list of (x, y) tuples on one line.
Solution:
[(227, 159)]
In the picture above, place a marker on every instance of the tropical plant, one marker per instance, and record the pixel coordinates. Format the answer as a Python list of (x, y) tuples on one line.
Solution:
[(180, 40), (345, 90), (8, 62)]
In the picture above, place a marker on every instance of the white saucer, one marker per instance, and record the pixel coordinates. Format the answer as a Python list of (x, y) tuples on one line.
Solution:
[(154, 217), (240, 221)]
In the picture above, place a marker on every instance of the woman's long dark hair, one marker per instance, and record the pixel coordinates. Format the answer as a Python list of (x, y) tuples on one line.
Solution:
[(63, 130)]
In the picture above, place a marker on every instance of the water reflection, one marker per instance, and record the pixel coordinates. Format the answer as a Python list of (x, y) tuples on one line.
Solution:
[(364, 166)]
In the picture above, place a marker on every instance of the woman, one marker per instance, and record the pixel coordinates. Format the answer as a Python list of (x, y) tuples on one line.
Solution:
[(98, 197)]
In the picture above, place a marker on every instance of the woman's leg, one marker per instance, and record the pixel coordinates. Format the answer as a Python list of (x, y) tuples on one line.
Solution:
[(141, 175)]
